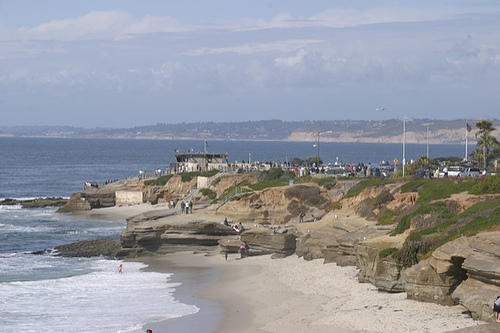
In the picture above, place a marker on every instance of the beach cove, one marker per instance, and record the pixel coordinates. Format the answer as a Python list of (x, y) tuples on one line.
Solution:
[(261, 294)]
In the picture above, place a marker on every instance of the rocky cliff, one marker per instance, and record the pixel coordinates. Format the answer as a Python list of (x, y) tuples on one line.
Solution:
[(337, 228)]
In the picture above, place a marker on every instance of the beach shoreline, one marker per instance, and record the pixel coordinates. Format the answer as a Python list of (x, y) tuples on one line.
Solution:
[(191, 280)]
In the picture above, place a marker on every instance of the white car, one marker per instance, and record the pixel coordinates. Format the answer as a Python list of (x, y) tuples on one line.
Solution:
[(456, 171)]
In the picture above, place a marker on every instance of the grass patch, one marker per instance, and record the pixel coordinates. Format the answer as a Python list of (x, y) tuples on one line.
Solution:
[(387, 217), (487, 185), (188, 176), (209, 173), (435, 189), (160, 181), (266, 184), (483, 216), (437, 211), (208, 193), (387, 252)]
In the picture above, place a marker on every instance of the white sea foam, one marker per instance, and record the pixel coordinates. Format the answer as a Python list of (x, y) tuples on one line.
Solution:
[(11, 207), (20, 228), (102, 301)]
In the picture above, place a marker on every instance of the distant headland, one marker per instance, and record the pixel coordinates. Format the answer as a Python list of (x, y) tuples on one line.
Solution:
[(421, 131)]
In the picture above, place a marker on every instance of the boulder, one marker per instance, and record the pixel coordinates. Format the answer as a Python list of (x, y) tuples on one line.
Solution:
[(267, 241), (75, 203)]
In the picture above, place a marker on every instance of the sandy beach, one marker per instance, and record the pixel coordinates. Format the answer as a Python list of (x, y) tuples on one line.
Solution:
[(261, 294)]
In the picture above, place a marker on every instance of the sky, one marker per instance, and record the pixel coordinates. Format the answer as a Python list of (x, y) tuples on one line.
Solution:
[(123, 63)]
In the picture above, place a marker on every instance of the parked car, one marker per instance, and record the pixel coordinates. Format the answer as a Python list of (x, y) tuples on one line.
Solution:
[(473, 172), (456, 171), (424, 173)]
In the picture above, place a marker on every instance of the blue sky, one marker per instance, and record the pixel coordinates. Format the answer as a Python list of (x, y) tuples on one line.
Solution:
[(121, 63)]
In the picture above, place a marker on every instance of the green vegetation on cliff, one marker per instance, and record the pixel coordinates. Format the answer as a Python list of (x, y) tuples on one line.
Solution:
[(437, 219), (160, 181)]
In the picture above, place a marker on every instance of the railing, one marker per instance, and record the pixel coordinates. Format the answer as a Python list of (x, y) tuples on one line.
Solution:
[(236, 191)]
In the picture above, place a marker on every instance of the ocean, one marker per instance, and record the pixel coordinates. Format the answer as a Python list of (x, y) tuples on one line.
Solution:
[(47, 293)]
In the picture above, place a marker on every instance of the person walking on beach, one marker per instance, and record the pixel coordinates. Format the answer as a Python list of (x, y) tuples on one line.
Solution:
[(242, 250), (190, 206), (301, 217), (183, 207)]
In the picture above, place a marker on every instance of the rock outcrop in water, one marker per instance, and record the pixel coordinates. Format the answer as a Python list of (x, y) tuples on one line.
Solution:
[(35, 203)]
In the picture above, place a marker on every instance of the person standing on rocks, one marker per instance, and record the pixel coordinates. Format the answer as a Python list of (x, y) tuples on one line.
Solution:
[(183, 206), (496, 308), (301, 217)]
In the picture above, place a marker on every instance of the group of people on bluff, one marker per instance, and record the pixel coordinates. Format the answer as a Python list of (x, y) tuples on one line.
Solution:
[(186, 207)]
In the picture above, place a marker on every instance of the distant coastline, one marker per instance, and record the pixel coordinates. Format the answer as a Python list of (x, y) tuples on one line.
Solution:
[(417, 131)]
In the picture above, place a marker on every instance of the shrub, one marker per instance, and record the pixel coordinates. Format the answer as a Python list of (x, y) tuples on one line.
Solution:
[(275, 174), (208, 193), (487, 185), (160, 181), (307, 195), (412, 252), (209, 173), (271, 174), (387, 252), (386, 217), (188, 176)]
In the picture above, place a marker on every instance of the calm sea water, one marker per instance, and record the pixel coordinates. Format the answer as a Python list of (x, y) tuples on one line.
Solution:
[(45, 293)]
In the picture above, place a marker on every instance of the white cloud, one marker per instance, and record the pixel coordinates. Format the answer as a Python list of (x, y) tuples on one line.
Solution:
[(291, 61), (252, 48), (94, 25), (118, 24)]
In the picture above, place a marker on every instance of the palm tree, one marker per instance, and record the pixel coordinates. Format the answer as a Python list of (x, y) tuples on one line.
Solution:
[(485, 139)]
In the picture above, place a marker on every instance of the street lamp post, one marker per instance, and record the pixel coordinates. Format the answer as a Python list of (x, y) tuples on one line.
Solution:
[(403, 119), (317, 146)]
